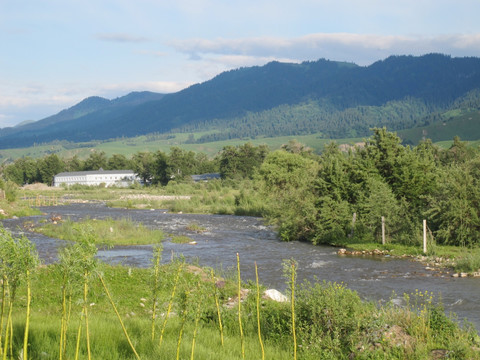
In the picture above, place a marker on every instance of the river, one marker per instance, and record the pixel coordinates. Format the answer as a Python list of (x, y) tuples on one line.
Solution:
[(374, 278)]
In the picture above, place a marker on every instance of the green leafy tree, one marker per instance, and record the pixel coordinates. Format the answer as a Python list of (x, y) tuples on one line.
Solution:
[(22, 171), (160, 169), (287, 181), (118, 162), (204, 165), (378, 201), (181, 163), (454, 208), (458, 152), (240, 162), (342, 175), (73, 164), (385, 150), (143, 165), (415, 177), (48, 167), (333, 221), (96, 161)]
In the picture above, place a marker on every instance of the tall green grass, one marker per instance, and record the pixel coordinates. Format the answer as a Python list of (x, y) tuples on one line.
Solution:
[(108, 231)]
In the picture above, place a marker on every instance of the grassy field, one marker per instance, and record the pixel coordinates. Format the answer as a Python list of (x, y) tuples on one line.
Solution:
[(331, 321), (464, 124), (131, 146)]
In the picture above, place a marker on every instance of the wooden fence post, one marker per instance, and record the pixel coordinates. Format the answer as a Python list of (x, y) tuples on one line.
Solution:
[(424, 236), (354, 219), (383, 230)]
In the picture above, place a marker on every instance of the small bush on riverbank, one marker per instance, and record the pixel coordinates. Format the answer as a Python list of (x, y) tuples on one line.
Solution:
[(469, 263), (17, 208)]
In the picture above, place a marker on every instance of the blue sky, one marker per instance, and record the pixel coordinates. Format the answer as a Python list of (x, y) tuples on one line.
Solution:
[(54, 53)]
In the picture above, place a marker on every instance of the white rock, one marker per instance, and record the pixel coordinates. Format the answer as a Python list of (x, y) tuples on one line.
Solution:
[(275, 295)]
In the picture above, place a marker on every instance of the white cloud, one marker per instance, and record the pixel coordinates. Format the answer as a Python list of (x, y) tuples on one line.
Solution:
[(120, 89), (121, 38), (362, 49)]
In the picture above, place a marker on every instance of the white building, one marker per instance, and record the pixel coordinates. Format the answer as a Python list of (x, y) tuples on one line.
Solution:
[(123, 178)]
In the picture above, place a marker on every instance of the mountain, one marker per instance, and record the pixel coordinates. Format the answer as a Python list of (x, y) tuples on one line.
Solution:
[(335, 98), (66, 123)]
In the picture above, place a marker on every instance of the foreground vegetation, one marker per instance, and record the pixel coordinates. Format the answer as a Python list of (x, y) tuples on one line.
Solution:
[(80, 307)]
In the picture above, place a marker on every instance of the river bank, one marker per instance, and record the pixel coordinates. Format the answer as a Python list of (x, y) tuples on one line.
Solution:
[(380, 279)]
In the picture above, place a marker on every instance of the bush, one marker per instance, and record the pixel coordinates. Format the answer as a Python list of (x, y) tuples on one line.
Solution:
[(11, 191), (330, 317)]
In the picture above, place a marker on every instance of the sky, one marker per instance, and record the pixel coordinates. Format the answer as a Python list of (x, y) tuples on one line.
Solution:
[(55, 53)]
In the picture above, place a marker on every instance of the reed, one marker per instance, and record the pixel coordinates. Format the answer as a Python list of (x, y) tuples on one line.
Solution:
[(195, 329), (217, 304), (87, 266), (118, 316), (242, 339), (258, 313), (19, 259), (184, 307), (157, 256), (294, 334), (170, 303)]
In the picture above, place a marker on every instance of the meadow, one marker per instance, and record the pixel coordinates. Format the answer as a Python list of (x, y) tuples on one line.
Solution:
[(82, 308)]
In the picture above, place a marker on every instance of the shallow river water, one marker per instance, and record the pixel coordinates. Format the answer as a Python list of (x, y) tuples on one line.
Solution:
[(374, 278)]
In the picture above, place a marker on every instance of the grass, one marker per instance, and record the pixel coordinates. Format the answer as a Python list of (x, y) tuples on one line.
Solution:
[(464, 124), (331, 321), (17, 209), (130, 146), (181, 239), (130, 291), (108, 231)]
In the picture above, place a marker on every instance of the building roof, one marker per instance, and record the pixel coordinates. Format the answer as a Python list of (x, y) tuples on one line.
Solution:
[(204, 177), (96, 172)]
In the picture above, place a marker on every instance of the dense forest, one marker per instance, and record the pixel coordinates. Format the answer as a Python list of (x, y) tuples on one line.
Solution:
[(339, 100), (314, 197)]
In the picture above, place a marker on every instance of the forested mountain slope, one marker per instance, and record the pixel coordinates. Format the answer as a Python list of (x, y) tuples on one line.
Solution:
[(334, 98)]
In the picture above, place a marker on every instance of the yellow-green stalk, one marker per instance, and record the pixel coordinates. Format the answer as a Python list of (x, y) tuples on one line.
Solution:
[(197, 319), (293, 312), (242, 340), (27, 321), (77, 347), (85, 312), (2, 316), (7, 333), (63, 326), (169, 308), (158, 254), (184, 319), (258, 313), (118, 316), (217, 303)]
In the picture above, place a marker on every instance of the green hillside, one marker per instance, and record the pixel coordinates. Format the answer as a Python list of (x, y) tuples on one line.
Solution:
[(462, 123), (130, 146), (335, 99)]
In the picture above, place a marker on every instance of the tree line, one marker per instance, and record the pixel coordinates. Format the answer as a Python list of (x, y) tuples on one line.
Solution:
[(325, 199), (154, 168), (321, 198)]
